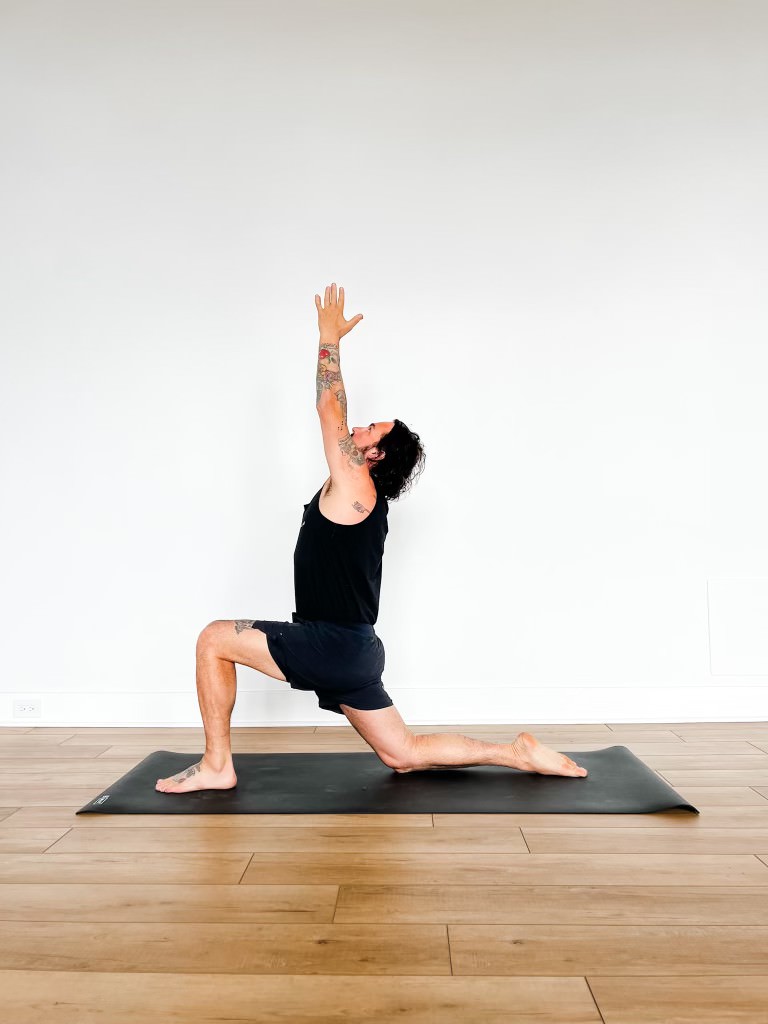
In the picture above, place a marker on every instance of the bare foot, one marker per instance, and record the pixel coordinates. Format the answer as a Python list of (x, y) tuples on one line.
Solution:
[(199, 776), (535, 757)]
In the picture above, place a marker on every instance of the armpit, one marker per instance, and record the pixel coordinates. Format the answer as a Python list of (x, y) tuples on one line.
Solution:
[(347, 504)]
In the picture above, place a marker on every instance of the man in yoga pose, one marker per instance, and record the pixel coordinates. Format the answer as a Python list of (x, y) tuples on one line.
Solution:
[(331, 646)]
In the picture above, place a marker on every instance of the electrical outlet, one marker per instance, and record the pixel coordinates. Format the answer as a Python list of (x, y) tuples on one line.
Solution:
[(27, 708)]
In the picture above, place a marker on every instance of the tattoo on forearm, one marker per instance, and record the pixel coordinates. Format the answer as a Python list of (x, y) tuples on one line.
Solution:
[(342, 397), (329, 379), (241, 624), (329, 352), (328, 368)]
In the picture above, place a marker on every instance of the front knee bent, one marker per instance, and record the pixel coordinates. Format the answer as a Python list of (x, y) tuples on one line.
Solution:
[(207, 636)]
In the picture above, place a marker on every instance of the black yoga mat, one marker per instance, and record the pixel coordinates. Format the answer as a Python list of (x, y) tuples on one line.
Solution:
[(359, 783)]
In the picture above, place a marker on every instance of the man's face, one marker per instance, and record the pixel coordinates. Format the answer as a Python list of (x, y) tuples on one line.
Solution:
[(366, 438)]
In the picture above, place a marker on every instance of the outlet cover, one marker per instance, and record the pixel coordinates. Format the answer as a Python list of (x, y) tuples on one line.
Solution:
[(27, 707)]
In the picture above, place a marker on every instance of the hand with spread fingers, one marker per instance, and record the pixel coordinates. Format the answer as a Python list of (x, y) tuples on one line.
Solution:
[(330, 317)]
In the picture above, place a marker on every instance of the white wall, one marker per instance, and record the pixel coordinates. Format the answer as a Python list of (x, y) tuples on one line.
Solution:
[(553, 217)]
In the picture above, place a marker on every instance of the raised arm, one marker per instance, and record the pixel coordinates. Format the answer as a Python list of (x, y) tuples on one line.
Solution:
[(331, 398), (329, 380)]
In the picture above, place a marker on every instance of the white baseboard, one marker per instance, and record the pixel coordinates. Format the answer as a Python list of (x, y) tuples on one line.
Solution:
[(281, 706)]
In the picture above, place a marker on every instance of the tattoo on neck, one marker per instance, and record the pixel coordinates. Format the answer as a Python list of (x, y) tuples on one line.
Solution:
[(350, 449)]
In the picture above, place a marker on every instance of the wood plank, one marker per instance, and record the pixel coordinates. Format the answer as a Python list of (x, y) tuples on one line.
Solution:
[(41, 754), (32, 794), (721, 749), (553, 904), (698, 999), (37, 767), (320, 839), (707, 762), (231, 948), (174, 903), (675, 777), (37, 817), (28, 840), (40, 742), (738, 727), (170, 731), (646, 840), (617, 949), (120, 868), (711, 817), (706, 727), (81, 998), (720, 796), (59, 780), (673, 749), (502, 869), (715, 734)]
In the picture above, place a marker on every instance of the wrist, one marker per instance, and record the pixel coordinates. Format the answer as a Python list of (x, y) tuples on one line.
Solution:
[(327, 334)]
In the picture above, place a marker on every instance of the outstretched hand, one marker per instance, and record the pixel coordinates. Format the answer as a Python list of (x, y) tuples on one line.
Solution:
[(330, 317)]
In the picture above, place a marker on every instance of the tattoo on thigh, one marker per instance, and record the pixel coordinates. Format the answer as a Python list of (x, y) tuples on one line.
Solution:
[(241, 624)]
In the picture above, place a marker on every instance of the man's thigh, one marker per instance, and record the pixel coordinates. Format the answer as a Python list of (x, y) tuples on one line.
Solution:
[(237, 641)]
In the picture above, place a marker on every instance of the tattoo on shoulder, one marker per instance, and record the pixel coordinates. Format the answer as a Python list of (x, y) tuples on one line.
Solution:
[(241, 624), (360, 508)]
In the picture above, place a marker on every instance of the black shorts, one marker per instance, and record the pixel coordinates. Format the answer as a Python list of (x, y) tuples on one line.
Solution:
[(342, 664)]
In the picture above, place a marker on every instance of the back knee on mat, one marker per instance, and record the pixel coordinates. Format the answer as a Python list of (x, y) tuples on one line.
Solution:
[(387, 734), (406, 758)]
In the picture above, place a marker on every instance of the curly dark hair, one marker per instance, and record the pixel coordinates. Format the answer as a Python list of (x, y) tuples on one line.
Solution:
[(402, 464)]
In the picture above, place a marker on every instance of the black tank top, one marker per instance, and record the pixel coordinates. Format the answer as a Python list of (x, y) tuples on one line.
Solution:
[(337, 568)]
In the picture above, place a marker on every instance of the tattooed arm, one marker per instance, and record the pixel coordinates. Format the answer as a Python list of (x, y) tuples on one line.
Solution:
[(329, 380), (331, 401)]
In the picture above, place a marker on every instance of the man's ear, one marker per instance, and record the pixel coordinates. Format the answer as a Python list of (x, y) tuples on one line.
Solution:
[(377, 456)]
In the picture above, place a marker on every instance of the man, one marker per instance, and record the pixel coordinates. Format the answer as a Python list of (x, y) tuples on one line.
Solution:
[(331, 645)]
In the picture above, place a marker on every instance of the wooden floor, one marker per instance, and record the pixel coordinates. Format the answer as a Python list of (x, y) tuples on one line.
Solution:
[(423, 919)]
